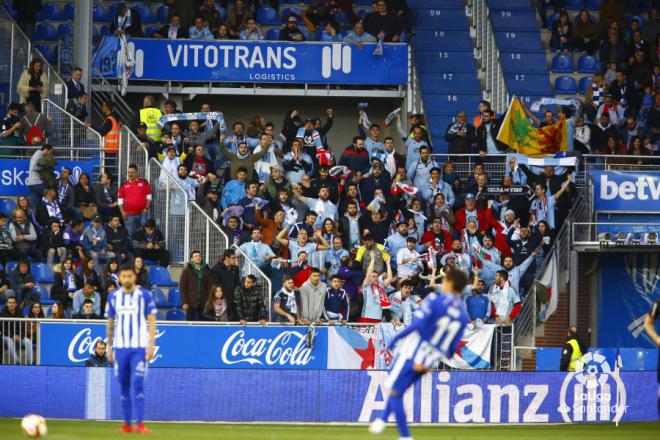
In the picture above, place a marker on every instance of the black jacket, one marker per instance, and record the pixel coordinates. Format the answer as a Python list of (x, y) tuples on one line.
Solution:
[(95, 361), (48, 240), (43, 216), (521, 250), (567, 352), (134, 30), (140, 239), (59, 290), (623, 91), (229, 279), (553, 183), (482, 137), (250, 304), (345, 229), (118, 239)]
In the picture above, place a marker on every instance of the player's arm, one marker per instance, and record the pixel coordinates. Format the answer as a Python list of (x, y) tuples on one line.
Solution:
[(419, 319), (151, 348), (648, 324)]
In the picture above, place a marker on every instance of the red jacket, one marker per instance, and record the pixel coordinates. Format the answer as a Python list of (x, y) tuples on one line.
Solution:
[(485, 219)]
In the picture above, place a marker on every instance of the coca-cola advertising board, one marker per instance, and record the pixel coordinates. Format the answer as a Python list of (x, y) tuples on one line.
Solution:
[(196, 346)]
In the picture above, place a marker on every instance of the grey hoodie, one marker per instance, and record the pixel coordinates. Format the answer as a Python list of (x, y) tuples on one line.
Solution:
[(312, 299)]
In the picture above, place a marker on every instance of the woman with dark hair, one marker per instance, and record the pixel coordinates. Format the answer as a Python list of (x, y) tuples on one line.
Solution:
[(88, 274), (562, 34), (637, 149), (83, 197), (33, 84), (216, 307), (57, 311), (256, 127), (111, 274), (142, 273), (105, 196), (585, 33)]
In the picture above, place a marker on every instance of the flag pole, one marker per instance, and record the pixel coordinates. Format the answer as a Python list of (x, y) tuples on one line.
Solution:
[(506, 117), (616, 373)]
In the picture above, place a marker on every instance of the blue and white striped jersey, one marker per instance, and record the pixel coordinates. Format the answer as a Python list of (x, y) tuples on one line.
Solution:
[(130, 312), (436, 329)]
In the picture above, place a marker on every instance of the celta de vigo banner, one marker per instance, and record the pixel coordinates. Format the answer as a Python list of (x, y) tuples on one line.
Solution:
[(629, 285), (626, 191), (257, 62), (342, 396), (14, 174), (185, 346)]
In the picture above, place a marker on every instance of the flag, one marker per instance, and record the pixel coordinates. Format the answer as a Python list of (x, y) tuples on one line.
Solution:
[(518, 133), (550, 279)]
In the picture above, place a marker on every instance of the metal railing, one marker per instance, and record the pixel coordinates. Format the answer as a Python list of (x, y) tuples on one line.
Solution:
[(464, 164), (169, 208), (72, 139), (264, 285), (103, 91), (131, 151), (17, 50), (19, 341), (488, 56), (618, 162), (415, 103)]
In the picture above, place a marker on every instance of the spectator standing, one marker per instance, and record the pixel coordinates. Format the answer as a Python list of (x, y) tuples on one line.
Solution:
[(477, 303), (35, 127), (259, 253), (216, 308), (74, 86), (573, 351), (374, 292), (33, 84), (41, 173), (383, 24), (134, 200), (336, 305), (286, 303), (226, 272), (105, 196), (195, 284), (358, 36), (505, 302), (312, 298), (110, 131), (460, 135), (249, 302), (99, 358), (127, 22)]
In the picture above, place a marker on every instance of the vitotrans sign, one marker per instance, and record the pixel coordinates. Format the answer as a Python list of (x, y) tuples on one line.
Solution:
[(184, 346)]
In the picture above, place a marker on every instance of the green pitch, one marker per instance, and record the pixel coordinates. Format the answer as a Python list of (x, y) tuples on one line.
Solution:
[(84, 430)]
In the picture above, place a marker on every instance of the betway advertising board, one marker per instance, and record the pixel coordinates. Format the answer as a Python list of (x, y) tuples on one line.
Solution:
[(626, 191)]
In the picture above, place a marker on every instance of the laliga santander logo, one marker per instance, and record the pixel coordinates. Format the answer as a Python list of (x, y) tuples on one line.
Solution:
[(287, 348), (82, 345), (598, 394)]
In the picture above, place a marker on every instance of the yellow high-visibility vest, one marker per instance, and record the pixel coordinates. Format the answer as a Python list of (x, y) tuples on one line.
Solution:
[(575, 356), (150, 116)]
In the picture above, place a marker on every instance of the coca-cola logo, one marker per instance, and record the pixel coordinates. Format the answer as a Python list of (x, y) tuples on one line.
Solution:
[(286, 349), (82, 345)]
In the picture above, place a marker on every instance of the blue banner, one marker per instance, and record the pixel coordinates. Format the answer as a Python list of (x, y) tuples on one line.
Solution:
[(257, 62), (14, 174), (626, 191), (341, 396), (629, 284), (186, 346)]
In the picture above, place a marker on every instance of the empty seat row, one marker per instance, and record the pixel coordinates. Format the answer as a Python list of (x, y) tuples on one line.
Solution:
[(444, 18), (528, 83), (519, 41), (450, 103), (564, 64), (450, 82), (569, 86), (514, 19), (455, 40), (445, 61)]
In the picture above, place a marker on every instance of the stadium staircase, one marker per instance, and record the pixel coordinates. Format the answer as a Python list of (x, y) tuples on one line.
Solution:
[(445, 62)]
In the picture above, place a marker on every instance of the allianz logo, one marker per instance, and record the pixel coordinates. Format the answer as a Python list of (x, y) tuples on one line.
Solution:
[(288, 348), (337, 57), (82, 345), (644, 188)]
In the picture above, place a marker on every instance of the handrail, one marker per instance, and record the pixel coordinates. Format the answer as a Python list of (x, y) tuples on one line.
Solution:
[(107, 91), (488, 54), (212, 223), (131, 151)]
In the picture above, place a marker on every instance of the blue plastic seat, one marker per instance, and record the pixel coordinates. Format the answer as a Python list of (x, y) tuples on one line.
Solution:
[(52, 11), (584, 84), (523, 62), (286, 12), (150, 30), (105, 30), (639, 18), (518, 41), (69, 12), (174, 298), (514, 20), (176, 315), (65, 30), (7, 206), (146, 14), (273, 34), (42, 273), (47, 52), (99, 14), (11, 265), (562, 64), (574, 5), (565, 85), (44, 298), (587, 64), (159, 297), (443, 40), (45, 32), (444, 18), (112, 11), (593, 5), (445, 61), (551, 20), (308, 35), (160, 276), (267, 16), (163, 14)]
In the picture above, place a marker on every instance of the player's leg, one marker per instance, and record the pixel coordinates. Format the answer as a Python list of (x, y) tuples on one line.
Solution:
[(139, 370), (402, 377), (123, 374)]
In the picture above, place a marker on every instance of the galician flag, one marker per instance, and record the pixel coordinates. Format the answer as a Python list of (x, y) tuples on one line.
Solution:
[(518, 132)]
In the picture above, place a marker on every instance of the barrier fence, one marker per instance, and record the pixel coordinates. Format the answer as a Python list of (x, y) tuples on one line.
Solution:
[(131, 151), (264, 285), (169, 208)]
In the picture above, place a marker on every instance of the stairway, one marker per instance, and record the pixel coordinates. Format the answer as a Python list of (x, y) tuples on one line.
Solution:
[(444, 57)]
